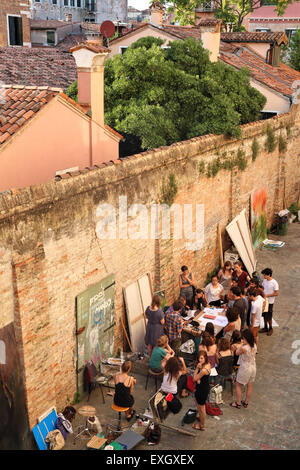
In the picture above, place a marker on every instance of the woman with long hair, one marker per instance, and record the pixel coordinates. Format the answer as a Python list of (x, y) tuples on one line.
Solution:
[(175, 378), (155, 325), (123, 389), (234, 322), (201, 379), (247, 370), (160, 354), (224, 276)]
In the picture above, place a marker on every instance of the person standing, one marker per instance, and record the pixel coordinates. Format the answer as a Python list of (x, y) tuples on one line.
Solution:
[(240, 274), (186, 285), (174, 326), (201, 378), (224, 276), (257, 308), (239, 304), (156, 320), (247, 369), (214, 292), (271, 290)]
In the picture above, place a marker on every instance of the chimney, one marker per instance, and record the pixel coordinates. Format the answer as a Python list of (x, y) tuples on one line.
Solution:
[(90, 59), (157, 12)]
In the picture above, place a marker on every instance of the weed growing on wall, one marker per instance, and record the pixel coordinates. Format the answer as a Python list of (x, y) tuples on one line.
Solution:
[(169, 191), (288, 130), (270, 140), (241, 160), (201, 167), (255, 149), (282, 144)]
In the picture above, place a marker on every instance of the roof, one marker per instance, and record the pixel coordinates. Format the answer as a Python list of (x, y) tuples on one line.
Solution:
[(255, 37), (19, 104), (70, 41), (279, 79), (94, 46), (93, 27), (269, 12), (49, 24), (37, 67)]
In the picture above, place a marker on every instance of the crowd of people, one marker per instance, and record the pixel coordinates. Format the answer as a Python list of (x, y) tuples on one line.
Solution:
[(233, 349)]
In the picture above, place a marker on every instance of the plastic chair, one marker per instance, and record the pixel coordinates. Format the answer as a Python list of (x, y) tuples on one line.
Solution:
[(155, 375)]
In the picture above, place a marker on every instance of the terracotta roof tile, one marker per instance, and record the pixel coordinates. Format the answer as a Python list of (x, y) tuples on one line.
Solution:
[(48, 24), (14, 106), (70, 41), (94, 46), (279, 79), (37, 67), (246, 36)]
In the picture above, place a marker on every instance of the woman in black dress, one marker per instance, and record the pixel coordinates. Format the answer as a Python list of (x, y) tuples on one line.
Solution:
[(201, 378), (123, 389), (156, 320)]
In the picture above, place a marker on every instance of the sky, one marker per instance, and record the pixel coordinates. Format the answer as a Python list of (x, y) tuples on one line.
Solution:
[(139, 4)]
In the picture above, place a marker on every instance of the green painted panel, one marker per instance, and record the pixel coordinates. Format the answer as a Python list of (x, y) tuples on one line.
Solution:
[(95, 325)]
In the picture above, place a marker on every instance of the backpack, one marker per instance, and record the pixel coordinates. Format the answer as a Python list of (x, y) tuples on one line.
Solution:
[(212, 410), (153, 434), (215, 395), (55, 440), (189, 417), (174, 404)]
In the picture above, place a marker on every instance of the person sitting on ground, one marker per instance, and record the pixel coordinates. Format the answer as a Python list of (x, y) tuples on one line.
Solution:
[(214, 292), (240, 304), (201, 379), (257, 308), (124, 385), (200, 301), (234, 322), (242, 275), (175, 378), (224, 276), (160, 354), (236, 341), (247, 370), (174, 326), (186, 284)]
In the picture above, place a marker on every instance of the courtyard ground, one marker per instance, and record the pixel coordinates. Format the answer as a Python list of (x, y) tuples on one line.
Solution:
[(272, 419)]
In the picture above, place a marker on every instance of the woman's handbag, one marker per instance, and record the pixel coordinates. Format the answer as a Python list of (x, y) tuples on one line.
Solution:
[(174, 404)]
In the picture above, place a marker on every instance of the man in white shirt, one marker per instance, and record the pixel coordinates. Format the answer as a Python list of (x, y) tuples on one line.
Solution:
[(257, 308), (271, 290)]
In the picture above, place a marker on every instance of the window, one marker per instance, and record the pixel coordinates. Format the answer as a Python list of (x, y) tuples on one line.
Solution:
[(290, 32), (15, 31), (78, 3), (72, 3), (66, 3), (123, 49), (51, 38), (262, 30), (54, 2)]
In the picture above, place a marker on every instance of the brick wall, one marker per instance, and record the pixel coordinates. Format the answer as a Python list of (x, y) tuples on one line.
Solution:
[(19, 8), (49, 241)]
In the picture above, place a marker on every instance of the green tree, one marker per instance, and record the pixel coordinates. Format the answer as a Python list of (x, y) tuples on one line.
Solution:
[(156, 97), (230, 11), (294, 51)]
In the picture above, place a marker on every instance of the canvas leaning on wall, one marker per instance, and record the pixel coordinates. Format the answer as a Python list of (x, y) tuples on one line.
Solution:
[(258, 216)]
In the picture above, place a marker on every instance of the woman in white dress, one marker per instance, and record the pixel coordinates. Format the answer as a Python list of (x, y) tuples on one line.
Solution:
[(247, 369)]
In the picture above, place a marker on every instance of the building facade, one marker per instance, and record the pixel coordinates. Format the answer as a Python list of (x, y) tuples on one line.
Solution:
[(14, 23), (95, 11)]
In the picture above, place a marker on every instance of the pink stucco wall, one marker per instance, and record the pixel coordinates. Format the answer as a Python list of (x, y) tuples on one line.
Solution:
[(57, 138)]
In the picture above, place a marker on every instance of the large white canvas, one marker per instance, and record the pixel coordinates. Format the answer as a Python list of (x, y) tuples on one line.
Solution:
[(137, 295), (239, 232)]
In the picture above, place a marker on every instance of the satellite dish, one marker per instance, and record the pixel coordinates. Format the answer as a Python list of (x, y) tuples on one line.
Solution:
[(107, 29)]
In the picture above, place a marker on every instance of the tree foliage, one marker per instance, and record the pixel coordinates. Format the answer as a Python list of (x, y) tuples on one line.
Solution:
[(294, 51), (230, 11), (155, 97)]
